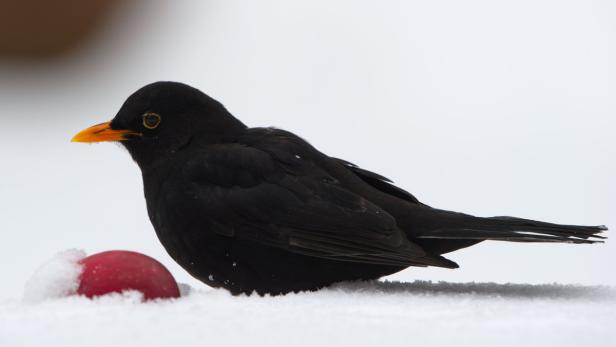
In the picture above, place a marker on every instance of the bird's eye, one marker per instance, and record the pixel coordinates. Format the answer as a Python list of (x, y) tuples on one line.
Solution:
[(151, 120)]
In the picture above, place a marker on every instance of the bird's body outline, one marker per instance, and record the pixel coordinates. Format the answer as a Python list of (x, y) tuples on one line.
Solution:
[(207, 170), (260, 209)]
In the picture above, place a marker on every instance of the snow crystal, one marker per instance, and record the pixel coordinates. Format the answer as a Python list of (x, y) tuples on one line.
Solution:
[(56, 278)]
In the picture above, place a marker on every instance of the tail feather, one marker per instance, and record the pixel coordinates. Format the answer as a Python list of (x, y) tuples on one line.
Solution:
[(514, 229)]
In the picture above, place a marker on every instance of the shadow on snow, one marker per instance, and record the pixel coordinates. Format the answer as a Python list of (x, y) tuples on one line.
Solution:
[(508, 290)]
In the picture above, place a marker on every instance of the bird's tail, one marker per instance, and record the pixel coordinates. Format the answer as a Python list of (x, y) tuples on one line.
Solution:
[(457, 226)]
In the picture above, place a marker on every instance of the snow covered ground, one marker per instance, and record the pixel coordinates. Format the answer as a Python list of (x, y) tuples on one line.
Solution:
[(346, 314), (356, 314)]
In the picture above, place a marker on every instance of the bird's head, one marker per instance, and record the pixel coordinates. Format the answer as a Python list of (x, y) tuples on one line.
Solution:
[(161, 118)]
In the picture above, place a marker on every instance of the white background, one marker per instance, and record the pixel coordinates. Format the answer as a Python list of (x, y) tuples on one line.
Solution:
[(483, 107)]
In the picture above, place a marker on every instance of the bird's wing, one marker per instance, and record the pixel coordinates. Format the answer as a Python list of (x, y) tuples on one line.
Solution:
[(248, 193), (379, 182)]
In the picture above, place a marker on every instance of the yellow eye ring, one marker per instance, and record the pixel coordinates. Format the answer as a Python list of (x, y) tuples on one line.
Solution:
[(151, 120)]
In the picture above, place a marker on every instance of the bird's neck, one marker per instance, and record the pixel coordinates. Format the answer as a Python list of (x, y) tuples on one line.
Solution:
[(155, 161)]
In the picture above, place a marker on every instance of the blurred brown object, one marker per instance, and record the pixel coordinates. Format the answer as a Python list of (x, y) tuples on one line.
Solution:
[(40, 28)]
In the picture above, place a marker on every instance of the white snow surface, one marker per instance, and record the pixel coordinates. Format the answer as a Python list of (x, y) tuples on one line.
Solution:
[(351, 314), (56, 278), (391, 313)]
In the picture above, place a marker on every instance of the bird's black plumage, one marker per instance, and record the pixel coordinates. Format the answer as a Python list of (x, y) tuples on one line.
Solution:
[(260, 209)]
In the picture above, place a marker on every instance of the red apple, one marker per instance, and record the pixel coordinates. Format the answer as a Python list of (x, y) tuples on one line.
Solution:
[(117, 271)]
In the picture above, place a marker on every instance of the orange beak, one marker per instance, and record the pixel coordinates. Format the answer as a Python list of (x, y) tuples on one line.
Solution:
[(103, 132)]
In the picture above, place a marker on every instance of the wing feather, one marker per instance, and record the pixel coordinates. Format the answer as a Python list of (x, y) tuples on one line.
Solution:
[(298, 208)]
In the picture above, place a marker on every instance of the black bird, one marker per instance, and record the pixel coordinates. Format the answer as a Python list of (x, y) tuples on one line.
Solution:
[(260, 209)]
